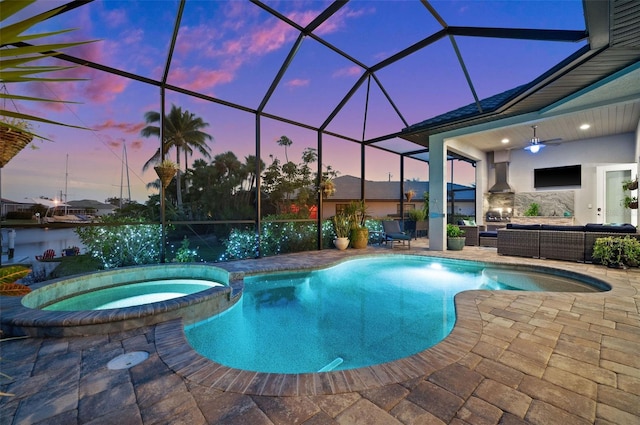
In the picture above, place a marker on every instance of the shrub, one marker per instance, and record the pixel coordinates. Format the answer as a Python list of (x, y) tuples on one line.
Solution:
[(454, 231), (284, 237), (184, 254), (19, 215), (240, 244), (118, 245), (417, 215), (617, 251)]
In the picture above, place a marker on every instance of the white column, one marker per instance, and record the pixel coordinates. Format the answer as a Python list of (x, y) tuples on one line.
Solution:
[(437, 193)]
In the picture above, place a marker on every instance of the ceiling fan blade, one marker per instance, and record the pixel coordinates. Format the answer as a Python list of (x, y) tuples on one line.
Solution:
[(555, 141)]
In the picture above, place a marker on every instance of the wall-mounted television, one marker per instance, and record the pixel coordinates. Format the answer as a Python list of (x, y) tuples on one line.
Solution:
[(557, 176)]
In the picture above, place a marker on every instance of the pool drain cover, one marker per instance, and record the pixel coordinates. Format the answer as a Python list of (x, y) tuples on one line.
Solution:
[(127, 360)]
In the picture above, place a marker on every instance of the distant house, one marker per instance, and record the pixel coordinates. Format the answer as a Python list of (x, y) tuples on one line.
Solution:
[(11, 206), (383, 197)]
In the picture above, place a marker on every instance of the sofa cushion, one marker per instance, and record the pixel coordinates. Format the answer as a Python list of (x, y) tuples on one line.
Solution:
[(563, 228), (467, 223), (523, 226), (489, 234), (610, 228)]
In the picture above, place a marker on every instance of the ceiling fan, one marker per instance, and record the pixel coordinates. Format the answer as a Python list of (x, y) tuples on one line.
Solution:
[(535, 144)]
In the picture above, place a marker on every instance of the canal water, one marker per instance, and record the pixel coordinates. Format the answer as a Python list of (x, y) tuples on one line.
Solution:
[(34, 241)]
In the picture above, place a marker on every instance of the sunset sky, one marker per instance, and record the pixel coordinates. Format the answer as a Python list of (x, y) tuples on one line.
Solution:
[(232, 50)]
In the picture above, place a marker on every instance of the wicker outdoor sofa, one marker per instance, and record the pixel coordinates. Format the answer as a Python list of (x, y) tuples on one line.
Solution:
[(571, 243)]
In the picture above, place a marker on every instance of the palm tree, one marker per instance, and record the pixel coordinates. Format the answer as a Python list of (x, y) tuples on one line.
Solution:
[(182, 130), (286, 142)]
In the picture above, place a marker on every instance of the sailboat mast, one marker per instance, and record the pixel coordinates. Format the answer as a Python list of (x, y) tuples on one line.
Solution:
[(66, 179), (126, 164), (122, 171)]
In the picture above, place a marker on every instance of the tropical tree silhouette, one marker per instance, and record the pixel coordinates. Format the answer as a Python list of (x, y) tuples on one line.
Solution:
[(286, 142), (182, 131)]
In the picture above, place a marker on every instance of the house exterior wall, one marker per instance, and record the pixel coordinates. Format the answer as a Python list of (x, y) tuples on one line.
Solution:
[(589, 153)]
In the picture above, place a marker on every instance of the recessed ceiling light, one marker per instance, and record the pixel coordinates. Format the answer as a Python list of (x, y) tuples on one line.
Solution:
[(505, 141), (585, 126)]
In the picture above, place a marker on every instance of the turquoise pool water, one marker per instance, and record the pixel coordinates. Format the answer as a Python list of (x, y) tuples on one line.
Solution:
[(358, 313), (132, 294)]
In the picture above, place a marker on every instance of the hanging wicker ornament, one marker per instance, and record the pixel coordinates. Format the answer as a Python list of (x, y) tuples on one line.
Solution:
[(11, 143), (165, 173)]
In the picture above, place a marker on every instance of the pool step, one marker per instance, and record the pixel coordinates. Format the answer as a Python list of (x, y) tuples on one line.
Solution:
[(335, 363)]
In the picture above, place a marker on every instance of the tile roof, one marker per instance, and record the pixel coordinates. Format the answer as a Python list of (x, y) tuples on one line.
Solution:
[(489, 104)]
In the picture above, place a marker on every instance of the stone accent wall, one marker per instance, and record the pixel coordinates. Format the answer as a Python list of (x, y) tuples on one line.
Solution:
[(552, 203)]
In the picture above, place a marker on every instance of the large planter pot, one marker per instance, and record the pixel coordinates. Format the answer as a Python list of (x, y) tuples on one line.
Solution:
[(422, 228), (410, 227), (341, 243), (359, 238), (455, 244)]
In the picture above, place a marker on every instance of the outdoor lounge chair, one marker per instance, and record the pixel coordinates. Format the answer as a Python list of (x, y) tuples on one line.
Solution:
[(392, 233), (49, 254)]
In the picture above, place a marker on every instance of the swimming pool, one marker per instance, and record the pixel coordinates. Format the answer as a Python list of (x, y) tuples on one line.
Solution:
[(361, 312)]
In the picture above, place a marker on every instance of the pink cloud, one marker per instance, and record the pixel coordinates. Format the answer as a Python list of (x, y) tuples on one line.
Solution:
[(253, 40), (201, 38), (197, 78), (303, 18), (350, 71), (104, 87), (268, 39), (129, 128), (115, 18), (132, 37), (237, 13), (137, 144), (297, 82), (339, 19)]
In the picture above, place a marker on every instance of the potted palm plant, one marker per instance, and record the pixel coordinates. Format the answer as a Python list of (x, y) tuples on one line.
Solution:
[(359, 236), (415, 216), (342, 228), (455, 237)]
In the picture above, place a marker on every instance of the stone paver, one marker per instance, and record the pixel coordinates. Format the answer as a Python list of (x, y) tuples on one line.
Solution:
[(513, 359)]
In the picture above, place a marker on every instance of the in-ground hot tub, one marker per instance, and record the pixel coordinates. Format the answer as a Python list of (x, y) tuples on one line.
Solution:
[(120, 299)]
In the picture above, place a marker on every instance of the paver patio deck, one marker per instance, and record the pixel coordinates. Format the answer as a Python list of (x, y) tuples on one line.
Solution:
[(513, 358)]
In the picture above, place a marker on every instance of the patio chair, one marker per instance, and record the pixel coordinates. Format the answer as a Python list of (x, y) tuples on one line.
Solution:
[(49, 254), (471, 232), (392, 233)]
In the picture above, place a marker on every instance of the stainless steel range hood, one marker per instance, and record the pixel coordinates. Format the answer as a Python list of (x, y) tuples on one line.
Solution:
[(502, 177)]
